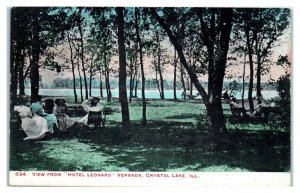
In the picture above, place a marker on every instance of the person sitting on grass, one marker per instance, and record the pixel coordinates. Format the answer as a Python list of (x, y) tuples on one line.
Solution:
[(50, 118), (49, 115), (91, 104), (35, 127), (62, 114), (24, 112)]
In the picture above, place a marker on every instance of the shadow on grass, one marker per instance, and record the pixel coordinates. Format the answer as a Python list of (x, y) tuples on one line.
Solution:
[(171, 145), (159, 146), (183, 116)]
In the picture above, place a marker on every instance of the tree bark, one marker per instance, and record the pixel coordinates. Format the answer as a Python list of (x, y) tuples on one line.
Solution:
[(258, 78), (144, 118), (182, 81), (174, 80), (243, 90), (251, 106), (100, 82), (35, 50), (159, 55), (72, 67), (80, 82), (91, 76), (82, 57), (122, 69), (21, 73)]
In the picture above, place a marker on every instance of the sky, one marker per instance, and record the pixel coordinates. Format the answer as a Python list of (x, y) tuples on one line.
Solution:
[(285, 45)]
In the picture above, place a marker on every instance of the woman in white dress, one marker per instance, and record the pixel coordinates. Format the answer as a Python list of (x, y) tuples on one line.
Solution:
[(90, 105), (62, 114), (35, 127)]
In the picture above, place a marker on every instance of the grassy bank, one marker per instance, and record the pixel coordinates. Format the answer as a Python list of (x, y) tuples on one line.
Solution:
[(175, 139)]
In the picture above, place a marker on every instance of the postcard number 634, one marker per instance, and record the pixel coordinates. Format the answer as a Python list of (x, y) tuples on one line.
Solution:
[(20, 174)]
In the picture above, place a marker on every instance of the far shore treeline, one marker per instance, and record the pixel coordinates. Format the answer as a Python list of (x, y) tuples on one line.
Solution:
[(149, 84)]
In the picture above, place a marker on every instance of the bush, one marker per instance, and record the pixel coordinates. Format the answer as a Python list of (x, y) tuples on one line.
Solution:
[(282, 119)]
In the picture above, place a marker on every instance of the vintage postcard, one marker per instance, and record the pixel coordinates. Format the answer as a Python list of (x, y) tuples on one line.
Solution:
[(150, 96)]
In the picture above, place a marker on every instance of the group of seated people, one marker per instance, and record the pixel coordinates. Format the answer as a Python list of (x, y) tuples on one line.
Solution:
[(40, 117), (238, 110)]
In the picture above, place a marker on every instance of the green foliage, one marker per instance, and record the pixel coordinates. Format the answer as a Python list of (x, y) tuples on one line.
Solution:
[(282, 120)]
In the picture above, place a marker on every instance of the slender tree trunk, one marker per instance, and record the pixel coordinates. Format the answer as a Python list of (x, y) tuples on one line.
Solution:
[(243, 90), (80, 82), (91, 76), (35, 47), (131, 78), (122, 69), (157, 81), (136, 77), (161, 80), (21, 74), (258, 79), (182, 81), (251, 70), (73, 68), (137, 81), (100, 82), (82, 59), (14, 55), (174, 80), (107, 84), (144, 118)]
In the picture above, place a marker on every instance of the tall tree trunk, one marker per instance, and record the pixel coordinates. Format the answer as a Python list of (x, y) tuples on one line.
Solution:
[(21, 74), (258, 78), (174, 80), (182, 81), (35, 50), (107, 84), (251, 69), (80, 82), (14, 55), (159, 54), (137, 81), (157, 81), (91, 76), (122, 69), (73, 68), (100, 82), (243, 90), (131, 78), (144, 118), (136, 77), (82, 59)]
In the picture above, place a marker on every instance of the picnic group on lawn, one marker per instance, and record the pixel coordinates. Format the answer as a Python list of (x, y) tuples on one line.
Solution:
[(42, 117)]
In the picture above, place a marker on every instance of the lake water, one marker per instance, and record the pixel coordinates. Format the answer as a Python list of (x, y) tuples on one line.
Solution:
[(151, 94)]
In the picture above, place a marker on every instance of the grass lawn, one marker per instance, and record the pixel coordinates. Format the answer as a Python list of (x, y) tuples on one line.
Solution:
[(173, 140)]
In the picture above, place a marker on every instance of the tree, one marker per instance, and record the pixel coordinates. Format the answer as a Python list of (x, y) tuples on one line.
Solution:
[(80, 23), (122, 68), (20, 47), (215, 32), (174, 80), (102, 41), (269, 26), (41, 28), (72, 66), (159, 58), (137, 17)]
